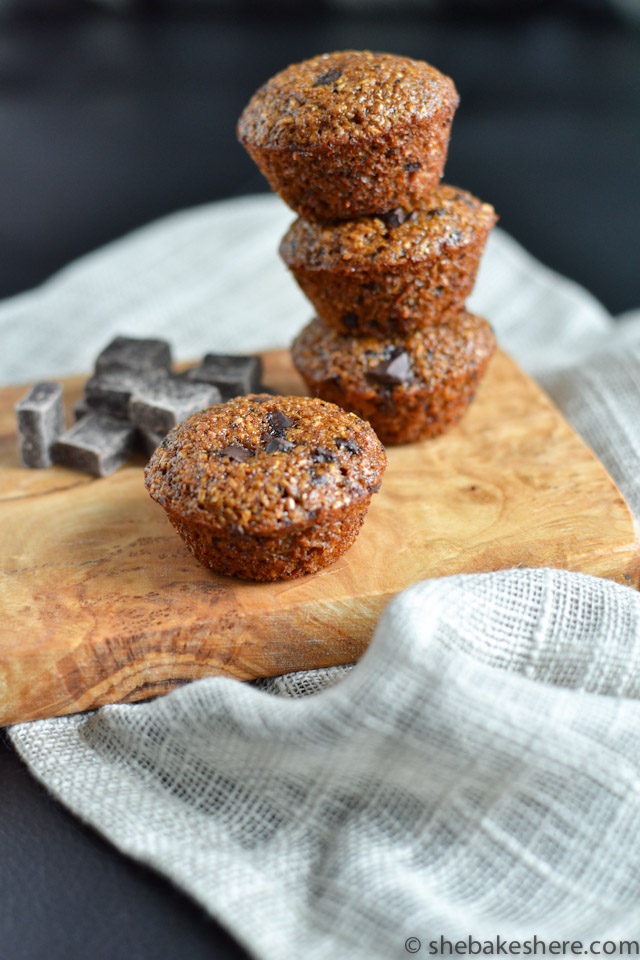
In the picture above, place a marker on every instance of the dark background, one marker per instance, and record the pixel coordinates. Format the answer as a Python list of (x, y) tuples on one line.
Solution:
[(109, 119)]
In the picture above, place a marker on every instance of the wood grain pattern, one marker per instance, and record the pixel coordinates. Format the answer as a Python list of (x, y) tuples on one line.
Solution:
[(102, 602)]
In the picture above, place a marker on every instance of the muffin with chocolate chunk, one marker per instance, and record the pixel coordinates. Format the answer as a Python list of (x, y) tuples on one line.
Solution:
[(267, 487), (409, 388), (391, 273), (351, 133)]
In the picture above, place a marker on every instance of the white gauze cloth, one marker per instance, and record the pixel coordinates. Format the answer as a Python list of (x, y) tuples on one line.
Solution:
[(478, 772)]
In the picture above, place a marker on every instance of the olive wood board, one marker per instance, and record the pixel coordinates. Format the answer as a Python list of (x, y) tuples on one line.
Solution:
[(101, 601)]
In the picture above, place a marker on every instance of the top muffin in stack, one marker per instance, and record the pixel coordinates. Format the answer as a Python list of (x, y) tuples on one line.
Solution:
[(355, 143)]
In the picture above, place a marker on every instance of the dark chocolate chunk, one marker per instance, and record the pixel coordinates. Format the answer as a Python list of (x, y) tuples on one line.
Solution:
[(97, 444), (278, 445), (80, 409), (160, 405), (347, 444), (40, 422), (110, 390), (133, 353), (326, 78), (149, 440), (436, 211), (411, 166), (392, 372), (234, 376), (278, 423), (350, 320), (319, 478), (394, 218), (322, 455), (236, 452)]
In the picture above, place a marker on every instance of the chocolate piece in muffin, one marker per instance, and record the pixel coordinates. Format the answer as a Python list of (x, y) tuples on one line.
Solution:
[(267, 488), (383, 275), (408, 388), (351, 133)]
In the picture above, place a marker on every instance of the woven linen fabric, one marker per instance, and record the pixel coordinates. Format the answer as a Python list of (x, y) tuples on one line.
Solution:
[(477, 773)]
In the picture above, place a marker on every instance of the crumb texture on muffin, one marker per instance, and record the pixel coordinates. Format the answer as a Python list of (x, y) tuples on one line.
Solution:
[(261, 465), (446, 218), (408, 388), (344, 96), (351, 133)]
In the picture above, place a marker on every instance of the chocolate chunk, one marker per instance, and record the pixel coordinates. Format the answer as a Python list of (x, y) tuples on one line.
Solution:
[(40, 422), (236, 452), (80, 409), (347, 444), (435, 212), (392, 372), (149, 440), (160, 405), (110, 390), (97, 444), (394, 218), (278, 445), (132, 353), (234, 376), (412, 166), (326, 78), (278, 423), (350, 320), (322, 455)]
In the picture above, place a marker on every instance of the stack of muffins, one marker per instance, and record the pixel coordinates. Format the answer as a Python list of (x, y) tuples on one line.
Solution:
[(355, 143)]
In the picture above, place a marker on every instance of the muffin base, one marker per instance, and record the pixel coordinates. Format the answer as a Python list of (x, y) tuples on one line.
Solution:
[(279, 557), (403, 414), (384, 303)]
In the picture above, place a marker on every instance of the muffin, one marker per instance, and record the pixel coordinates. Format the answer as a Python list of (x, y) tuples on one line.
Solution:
[(408, 388), (267, 487), (387, 274), (351, 133)]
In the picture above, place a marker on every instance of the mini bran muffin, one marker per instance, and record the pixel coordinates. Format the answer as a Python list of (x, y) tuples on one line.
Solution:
[(267, 487), (351, 133), (388, 274), (408, 388)]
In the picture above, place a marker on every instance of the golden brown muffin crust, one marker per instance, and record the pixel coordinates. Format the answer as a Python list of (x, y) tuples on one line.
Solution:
[(343, 97), (435, 355), (261, 464), (446, 218)]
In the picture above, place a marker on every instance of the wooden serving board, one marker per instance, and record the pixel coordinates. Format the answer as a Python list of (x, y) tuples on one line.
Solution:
[(101, 601)]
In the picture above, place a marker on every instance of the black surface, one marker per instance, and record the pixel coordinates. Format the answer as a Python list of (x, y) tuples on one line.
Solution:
[(109, 122), (66, 894)]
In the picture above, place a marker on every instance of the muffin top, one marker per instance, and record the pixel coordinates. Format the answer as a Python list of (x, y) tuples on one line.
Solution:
[(430, 358), (260, 464), (343, 97), (447, 218)]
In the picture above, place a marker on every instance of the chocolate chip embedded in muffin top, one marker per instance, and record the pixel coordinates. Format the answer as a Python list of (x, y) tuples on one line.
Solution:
[(392, 372), (236, 452), (322, 455), (394, 218), (278, 422), (350, 320), (347, 444), (278, 445), (412, 166), (329, 77)]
